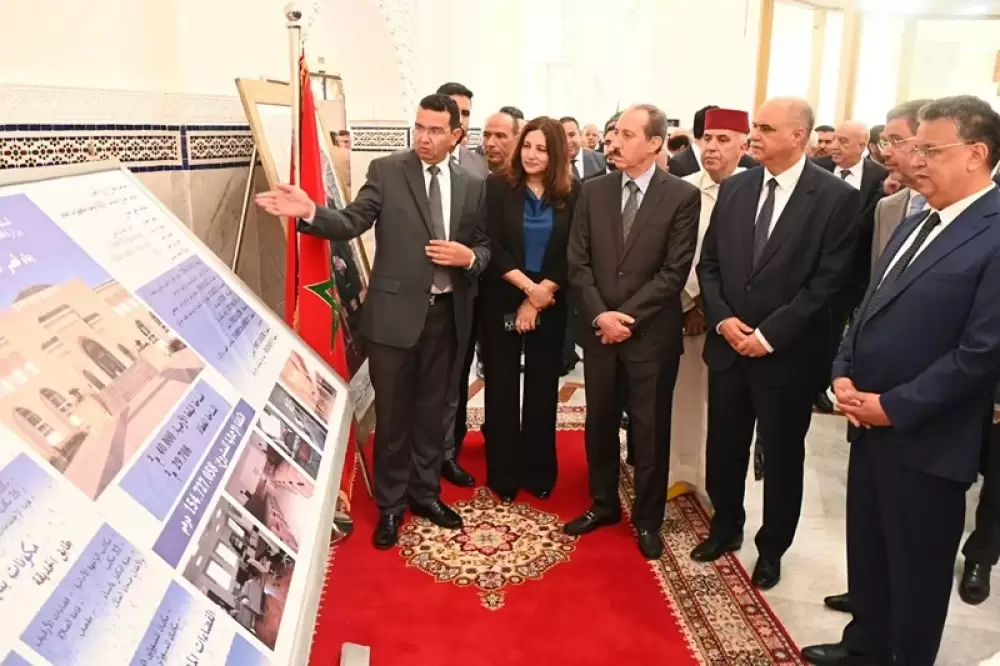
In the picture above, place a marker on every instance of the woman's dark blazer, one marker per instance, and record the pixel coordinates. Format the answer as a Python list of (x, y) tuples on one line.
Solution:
[(505, 227)]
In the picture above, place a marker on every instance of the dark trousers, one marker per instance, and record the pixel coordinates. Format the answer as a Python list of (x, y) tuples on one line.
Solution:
[(903, 530), (409, 389), (736, 400), (648, 387), (983, 545), (521, 442), (840, 317), (457, 402)]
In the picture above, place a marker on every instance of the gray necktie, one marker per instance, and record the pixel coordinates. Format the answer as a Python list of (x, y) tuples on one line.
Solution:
[(442, 280), (762, 228), (630, 209), (917, 203)]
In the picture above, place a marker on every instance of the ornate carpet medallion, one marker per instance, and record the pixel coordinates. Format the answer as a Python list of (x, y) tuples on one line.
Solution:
[(500, 545)]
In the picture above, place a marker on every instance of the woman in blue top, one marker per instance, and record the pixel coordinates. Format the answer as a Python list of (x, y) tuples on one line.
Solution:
[(523, 307)]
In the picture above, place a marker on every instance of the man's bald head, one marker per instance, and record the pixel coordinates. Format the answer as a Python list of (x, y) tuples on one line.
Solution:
[(780, 131), (849, 142)]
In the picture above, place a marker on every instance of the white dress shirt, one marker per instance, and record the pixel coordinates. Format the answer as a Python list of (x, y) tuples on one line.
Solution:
[(709, 193), (642, 180), (787, 180), (948, 215), (578, 162), (854, 174)]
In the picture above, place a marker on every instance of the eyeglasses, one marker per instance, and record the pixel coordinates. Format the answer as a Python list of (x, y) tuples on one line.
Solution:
[(924, 152), (885, 143), (435, 132)]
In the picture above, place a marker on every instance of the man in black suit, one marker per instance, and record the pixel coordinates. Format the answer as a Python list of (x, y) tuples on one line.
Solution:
[(915, 377), (776, 252), (631, 246), (432, 244), (688, 162), (848, 162)]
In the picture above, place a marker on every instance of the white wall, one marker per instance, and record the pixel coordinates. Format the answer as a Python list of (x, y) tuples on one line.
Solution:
[(956, 57)]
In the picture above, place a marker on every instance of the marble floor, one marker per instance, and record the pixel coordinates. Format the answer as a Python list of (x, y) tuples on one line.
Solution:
[(816, 565)]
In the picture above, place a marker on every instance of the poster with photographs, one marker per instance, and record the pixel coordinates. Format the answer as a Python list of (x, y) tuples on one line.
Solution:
[(169, 450)]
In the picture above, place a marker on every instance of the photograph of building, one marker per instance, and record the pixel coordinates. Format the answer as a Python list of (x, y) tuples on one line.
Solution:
[(281, 435), (86, 375), (242, 571), (308, 386), (297, 415), (273, 491)]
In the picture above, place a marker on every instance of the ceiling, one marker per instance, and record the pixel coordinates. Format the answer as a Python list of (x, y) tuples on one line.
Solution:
[(970, 8)]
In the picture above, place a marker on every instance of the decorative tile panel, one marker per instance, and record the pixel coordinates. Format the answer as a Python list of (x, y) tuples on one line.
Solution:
[(218, 147), (379, 139), (475, 137)]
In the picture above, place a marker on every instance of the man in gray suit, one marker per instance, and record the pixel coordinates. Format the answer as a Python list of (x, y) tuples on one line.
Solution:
[(470, 160), (432, 245), (475, 164), (584, 163)]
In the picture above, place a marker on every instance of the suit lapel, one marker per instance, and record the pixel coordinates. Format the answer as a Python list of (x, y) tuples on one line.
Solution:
[(613, 200), (515, 223), (791, 217), (964, 228), (458, 185), (414, 170), (747, 218), (650, 200)]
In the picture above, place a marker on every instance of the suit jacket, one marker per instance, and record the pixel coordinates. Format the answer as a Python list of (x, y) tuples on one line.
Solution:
[(932, 348), (593, 164), (887, 215), (473, 162), (395, 196), (505, 226), (873, 175), (686, 163), (788, 294), (643, 276)]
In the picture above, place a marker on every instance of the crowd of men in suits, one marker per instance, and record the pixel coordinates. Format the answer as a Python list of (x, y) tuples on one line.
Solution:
[(879, 282)]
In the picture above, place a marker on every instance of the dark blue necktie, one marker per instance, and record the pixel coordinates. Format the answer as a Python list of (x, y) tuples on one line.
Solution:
[(884, 287), (762, 228)]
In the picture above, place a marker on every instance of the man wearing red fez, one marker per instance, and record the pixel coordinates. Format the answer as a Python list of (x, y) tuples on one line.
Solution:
[(721, 148)]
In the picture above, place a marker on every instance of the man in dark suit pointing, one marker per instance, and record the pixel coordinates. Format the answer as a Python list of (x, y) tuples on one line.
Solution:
[(776, 252), (915, 376), (432, 243)]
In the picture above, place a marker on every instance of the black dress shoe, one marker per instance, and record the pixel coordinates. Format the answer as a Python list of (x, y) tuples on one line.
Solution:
[(712, 549), (834, 654), (766, 573), (975, 587), (387, 531), (823, 403), (650, 544), (540, 494), (438, 513), (505, 496), (589, 522), (839, 602), (455, 475)]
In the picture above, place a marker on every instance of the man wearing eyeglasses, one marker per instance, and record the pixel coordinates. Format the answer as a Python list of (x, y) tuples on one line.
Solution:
[(432, 246), (915, 377)]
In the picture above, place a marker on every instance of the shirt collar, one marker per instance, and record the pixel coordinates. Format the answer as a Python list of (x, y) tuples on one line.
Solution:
[(643, 180), (950, 213), (857, 169), (457, 153), (705, 182), (443, 164), (790, 177)]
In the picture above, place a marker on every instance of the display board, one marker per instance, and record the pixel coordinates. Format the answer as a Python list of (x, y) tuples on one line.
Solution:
[(170, 452), (268, 108)]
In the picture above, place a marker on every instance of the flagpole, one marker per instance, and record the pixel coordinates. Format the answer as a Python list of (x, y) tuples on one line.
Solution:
[(294, 17)]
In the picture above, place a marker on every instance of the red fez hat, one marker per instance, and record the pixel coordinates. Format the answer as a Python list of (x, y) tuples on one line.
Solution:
[(727, 119)]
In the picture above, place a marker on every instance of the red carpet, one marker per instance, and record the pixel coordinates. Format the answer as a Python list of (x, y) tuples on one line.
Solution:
[(511, 589)]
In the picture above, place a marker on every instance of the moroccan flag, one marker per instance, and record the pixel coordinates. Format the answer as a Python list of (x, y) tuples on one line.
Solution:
[(311, 307)]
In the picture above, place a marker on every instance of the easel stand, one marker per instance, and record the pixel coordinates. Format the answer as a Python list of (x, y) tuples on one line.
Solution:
[(347, 524)]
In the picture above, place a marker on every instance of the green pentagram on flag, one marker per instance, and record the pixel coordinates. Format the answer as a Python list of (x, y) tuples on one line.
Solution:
[(325, 291)]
